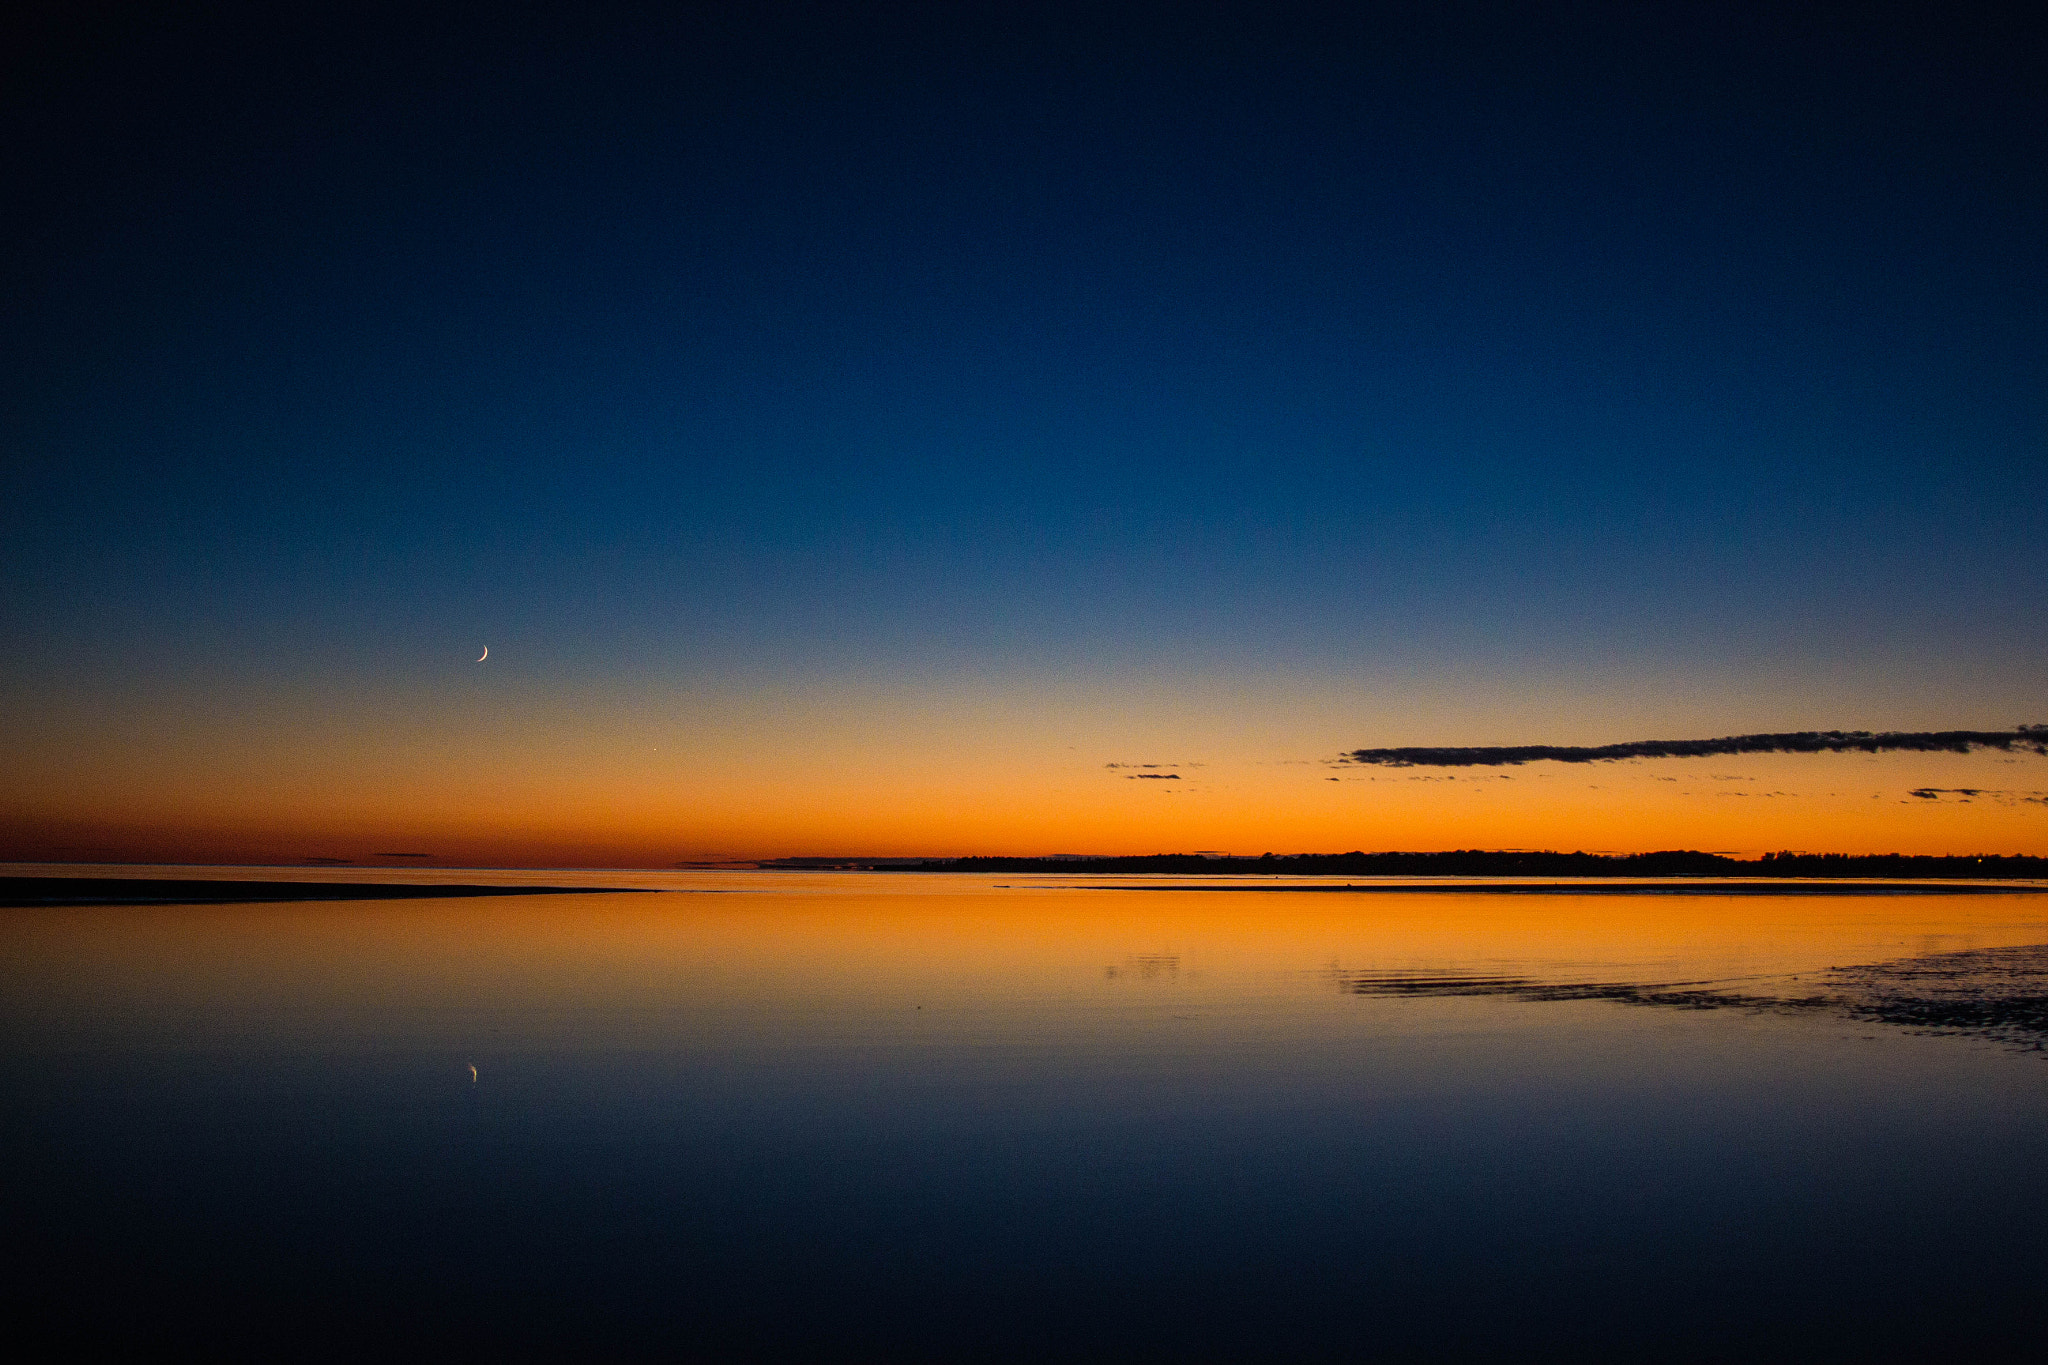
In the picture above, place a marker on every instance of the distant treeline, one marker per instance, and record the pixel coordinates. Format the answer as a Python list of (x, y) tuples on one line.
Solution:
[(1479, 863)]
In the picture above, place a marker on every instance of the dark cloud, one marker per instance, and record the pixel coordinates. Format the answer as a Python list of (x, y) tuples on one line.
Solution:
[(1151, 777), (2030, 738), (1151, 766), (1965, 795)]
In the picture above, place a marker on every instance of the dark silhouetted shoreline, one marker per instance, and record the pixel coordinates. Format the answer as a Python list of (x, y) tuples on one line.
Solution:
[(1480, 863), (22, 891)]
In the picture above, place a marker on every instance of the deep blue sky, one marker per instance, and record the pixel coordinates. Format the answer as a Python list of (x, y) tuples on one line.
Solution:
[(1441, 338)]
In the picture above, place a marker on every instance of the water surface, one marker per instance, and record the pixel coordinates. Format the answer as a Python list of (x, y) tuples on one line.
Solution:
[(899, 1114)]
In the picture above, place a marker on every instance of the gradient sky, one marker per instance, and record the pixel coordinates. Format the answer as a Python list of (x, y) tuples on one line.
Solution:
[(851, 430)]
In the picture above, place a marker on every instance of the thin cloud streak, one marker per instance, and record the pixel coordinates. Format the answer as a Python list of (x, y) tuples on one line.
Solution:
[(2029, 738), (1965, 795)]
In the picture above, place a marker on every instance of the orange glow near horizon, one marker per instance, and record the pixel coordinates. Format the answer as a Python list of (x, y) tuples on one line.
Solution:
[(1749, 806), (633, 777)]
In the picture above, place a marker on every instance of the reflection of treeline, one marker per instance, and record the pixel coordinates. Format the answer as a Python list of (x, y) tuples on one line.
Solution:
[(1480, 863)]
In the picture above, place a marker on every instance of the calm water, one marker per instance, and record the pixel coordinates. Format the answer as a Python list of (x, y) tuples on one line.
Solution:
[(903, 1115)]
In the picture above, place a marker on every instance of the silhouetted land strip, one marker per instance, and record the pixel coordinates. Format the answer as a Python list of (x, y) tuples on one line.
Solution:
[(1685, 887), (18, 891), (1478, 863)]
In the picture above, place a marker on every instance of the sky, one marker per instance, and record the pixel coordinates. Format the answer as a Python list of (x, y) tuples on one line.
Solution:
[(853, 429)]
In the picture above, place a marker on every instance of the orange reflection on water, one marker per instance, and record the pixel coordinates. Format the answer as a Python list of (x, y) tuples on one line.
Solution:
[(734, 955)]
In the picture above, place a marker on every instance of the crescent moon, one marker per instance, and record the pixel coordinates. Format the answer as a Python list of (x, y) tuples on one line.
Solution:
[(485, 655)]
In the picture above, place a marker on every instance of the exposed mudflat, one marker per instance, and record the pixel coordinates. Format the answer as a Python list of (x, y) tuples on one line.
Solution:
[(1999, 993)]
